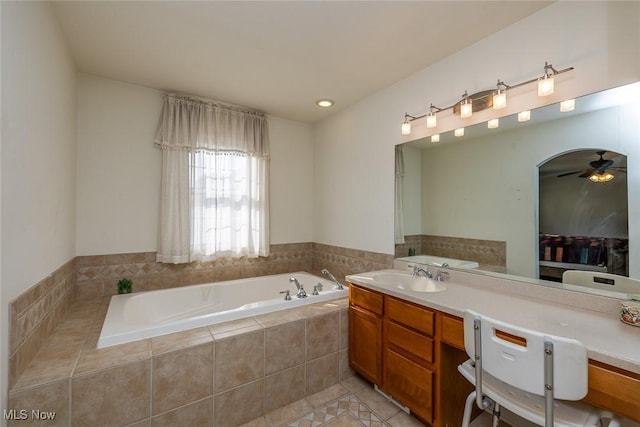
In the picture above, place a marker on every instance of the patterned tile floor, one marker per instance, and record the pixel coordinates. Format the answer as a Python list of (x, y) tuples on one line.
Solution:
[(347, 405), (351, 403)]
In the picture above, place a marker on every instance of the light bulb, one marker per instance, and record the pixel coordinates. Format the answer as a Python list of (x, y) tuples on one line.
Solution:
[(466, 108), (493, 123), (568, 105), (524, 116), (406, 127), (602, 177), (545, 85), (435, 138), (459, 132), (499, 99), (431, 120)]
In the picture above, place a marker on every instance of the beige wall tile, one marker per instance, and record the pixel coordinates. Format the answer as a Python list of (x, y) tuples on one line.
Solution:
[(89, 289), (345, 370), (112, 397), (344, 329), (239, 405), (198, 414), (181, 377), (322, 335), (321, 373), (180, 340), (49, 398), (239, 360), (284, 346), (284, 387), (93, 359)]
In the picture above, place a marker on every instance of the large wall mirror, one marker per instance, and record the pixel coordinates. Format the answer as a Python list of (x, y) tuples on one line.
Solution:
[(484, 187)]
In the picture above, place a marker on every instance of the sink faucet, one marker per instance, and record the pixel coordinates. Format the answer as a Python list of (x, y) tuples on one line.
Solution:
[(333, 279), (301, 292), (440, 275), (419, 270)]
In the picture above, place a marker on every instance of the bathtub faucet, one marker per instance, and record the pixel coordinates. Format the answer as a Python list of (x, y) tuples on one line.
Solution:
[(333, 279), (301, 292)]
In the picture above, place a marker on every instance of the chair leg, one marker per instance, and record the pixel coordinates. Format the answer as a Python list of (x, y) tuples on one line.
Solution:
[(496, 415), (468, 406)]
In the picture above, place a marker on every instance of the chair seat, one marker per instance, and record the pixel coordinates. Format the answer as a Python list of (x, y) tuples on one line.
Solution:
[(530, 406)]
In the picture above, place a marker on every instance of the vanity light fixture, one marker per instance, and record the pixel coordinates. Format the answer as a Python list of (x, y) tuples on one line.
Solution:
[(435, 138), (459, 132), (406, 125), (325, 102), (601, 177), (479, 101), (545, 83), (500, 96), (568, 105), (493, 123), (524, 116), (432, 121), (466, 106)]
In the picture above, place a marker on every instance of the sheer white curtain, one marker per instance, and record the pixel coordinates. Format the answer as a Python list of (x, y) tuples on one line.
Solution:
[(399, 207), (214, 196)]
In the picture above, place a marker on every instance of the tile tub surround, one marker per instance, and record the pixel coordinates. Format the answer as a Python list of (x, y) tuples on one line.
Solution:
[(35, 314), (97, 276), (490, 254), (226, 374)]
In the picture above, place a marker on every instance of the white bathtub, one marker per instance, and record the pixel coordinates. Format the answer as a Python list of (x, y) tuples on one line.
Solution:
[(142, 315)]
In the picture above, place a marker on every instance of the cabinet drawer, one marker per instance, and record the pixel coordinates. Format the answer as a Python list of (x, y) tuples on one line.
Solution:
[(453, 331), (615, 390), (365, 298), (409, 343), (410, 384), (411, 315)]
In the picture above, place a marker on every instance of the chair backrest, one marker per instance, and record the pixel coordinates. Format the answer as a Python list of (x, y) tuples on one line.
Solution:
[(602, 281), (515, 355)]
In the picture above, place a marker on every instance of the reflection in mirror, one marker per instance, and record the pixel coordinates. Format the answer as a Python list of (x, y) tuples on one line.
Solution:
[(476, 197), (583, 219)]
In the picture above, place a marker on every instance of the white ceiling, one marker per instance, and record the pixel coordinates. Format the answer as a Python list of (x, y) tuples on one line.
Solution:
[(276, 56)]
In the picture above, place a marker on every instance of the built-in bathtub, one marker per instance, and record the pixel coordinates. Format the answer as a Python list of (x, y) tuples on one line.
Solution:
[(143, 315)]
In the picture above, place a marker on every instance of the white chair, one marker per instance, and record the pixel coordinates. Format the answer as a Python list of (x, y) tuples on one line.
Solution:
[(524, 371)]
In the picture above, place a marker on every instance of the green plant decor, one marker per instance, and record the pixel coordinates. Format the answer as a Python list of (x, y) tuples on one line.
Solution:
[(124, 286)]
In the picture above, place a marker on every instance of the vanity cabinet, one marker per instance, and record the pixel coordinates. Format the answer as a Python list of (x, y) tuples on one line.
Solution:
[(365, 333), (412, 353), (409, 358)]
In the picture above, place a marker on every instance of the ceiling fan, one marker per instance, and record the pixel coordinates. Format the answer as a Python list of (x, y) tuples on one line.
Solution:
[(598, 167)]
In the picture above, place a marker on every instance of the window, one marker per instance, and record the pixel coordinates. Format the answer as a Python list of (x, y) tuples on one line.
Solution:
[(214, 182)]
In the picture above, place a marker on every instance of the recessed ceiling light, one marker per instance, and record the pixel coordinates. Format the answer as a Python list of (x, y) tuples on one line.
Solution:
[(325, 102)]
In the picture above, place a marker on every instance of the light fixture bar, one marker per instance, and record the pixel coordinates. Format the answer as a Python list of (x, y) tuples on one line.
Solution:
[(498, 99)]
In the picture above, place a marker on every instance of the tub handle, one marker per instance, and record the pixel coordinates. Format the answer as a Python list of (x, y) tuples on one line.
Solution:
[(317, 288), (287, 295)]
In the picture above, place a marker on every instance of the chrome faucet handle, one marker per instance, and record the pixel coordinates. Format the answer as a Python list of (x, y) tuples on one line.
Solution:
[(317, 288), (301, 293), (287, 295), (440, 275)]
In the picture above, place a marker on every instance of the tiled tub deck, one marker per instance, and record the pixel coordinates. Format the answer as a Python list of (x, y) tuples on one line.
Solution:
[(223, 375)]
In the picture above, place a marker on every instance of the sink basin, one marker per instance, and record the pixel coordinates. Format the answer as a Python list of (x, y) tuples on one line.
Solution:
[(411, 283)]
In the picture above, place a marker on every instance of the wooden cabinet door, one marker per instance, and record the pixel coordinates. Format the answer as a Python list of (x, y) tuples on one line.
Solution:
[(365, 344), (410, 384)]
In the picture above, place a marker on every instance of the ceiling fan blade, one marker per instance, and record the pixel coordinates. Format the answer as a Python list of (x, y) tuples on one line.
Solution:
[(587, 173), (568, 173)]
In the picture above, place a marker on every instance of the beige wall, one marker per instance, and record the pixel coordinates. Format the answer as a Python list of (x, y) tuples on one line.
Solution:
[(354, 149), (38, 169), (119, 170)]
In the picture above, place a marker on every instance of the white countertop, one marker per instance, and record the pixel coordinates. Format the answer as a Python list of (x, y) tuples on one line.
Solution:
[(607, 339)]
